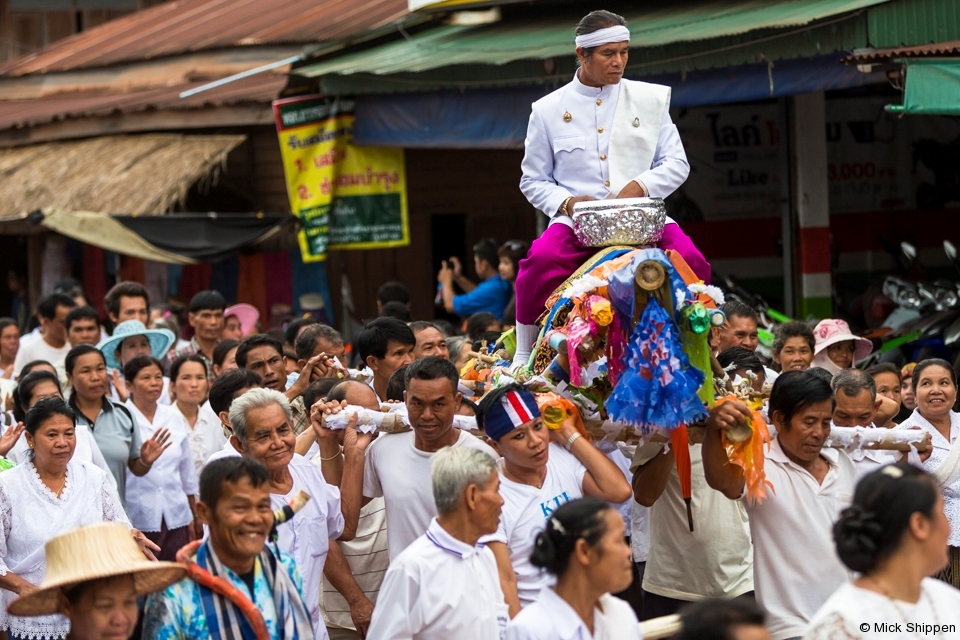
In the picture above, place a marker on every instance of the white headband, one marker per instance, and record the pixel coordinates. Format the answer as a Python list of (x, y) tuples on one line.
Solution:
[(618, 33)]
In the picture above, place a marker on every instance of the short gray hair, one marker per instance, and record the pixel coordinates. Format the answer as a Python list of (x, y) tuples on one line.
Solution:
[(255, 399), (453, 470), (852, 382)]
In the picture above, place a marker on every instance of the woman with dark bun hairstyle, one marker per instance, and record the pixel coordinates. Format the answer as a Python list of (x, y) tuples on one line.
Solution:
[(583, 546), (895, 536)]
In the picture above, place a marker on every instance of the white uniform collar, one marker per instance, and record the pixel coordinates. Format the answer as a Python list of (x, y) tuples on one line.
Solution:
[(439, 536), (565, 618), (592, 92)]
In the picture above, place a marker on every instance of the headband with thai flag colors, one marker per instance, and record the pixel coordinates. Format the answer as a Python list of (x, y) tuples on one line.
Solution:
[(514, 409)]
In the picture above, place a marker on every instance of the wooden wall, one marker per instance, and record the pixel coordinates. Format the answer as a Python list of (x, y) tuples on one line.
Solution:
[(481, 185)]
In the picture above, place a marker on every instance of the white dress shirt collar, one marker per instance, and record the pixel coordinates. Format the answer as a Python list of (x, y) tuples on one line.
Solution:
[(439, 537), (603, 92)]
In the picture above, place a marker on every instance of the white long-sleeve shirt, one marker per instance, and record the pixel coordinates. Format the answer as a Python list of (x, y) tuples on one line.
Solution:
[(161, 494), (440, 588), (569, 158)]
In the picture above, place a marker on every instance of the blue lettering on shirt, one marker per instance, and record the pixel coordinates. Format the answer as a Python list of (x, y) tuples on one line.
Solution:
[(553, 503)]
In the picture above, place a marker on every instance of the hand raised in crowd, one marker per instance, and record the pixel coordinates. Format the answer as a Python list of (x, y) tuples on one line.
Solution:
[(728, 415), (147, 547), (355, 440), (119, 385), (361, 611), (10, 437), (157, 444), (316, 367), (446, 274), (7, 373), (318, 412), (457, 266)]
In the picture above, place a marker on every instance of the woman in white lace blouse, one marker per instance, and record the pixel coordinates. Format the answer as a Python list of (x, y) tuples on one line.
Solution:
[(41, 498), (895, 536), (934, 385)]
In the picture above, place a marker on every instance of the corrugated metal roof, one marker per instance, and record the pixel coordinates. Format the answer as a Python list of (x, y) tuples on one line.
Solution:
[(923, 51), (553, 36), (262, 88), (914, 22), (196, 25)]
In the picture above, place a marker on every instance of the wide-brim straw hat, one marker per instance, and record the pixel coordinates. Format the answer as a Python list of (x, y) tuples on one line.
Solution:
[(160, 341), (832, 331), (247, 314), (88, 553)]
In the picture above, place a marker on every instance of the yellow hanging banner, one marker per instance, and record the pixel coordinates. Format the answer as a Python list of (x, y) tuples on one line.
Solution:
[(346, 197)]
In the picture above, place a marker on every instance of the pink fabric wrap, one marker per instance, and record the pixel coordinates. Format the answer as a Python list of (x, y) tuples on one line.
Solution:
[(557, 253)]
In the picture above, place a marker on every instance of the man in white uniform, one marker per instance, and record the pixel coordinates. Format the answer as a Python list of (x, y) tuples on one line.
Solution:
[(598, 137), (444, 585)]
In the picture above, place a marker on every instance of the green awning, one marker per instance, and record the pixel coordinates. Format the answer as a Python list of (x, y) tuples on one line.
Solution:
[(550, 37), (933, 88)]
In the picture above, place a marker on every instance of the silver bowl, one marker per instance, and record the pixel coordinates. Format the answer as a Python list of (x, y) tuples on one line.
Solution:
[(628, 221)]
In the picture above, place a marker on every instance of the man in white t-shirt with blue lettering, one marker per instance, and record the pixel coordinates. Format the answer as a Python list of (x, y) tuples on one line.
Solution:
[(540, 470)]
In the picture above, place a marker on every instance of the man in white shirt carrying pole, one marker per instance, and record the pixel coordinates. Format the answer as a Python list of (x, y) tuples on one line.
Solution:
[(397, 465), (444, 585), (598, 137), (795, 565)]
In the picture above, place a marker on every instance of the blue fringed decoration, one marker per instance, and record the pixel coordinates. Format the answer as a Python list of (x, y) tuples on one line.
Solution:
[(658, 387)]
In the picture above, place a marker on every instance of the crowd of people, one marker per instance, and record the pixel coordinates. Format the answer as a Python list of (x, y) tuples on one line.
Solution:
[(246, 483), (437, 532)]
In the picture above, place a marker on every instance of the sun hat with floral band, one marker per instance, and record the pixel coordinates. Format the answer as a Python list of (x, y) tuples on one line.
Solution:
[(831, 331)]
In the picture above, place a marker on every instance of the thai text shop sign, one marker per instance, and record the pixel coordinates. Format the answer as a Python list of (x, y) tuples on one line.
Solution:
[(346, 197)]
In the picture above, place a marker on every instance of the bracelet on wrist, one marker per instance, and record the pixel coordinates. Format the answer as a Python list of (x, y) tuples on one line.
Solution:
[(564, 208), (338, 453), (568, 445)]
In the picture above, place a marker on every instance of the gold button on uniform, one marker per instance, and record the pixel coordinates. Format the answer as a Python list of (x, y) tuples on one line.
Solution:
[(599, 102), (600, 130), (603, 156), (606, 183)]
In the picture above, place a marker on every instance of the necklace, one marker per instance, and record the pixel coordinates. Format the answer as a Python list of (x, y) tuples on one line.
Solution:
[(55, 492), (893, 601), (538, 484)]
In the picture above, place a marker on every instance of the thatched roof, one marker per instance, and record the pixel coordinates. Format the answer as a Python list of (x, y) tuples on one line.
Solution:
[(133, 174)]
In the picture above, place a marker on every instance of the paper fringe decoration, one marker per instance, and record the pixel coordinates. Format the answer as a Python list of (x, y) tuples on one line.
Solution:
[(748, 455), (658, 387)]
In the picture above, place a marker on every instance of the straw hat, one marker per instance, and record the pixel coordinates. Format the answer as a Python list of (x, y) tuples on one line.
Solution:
[(88, 553), (160, 341), (832, 331), (247, 314)]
